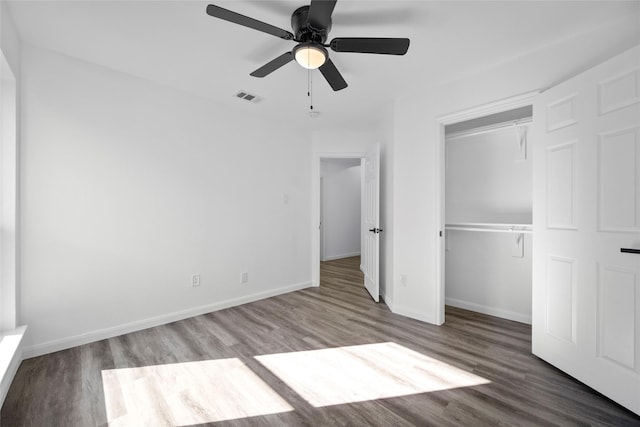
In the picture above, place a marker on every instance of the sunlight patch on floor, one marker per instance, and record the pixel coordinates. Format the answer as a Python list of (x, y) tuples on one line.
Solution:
[(364, 372), (187, 393)]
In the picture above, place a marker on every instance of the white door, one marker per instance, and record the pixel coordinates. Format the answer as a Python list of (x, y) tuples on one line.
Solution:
[(371, 223), (586, 291)]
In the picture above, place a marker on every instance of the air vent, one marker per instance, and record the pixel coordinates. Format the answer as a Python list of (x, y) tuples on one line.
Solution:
[(243, 94)]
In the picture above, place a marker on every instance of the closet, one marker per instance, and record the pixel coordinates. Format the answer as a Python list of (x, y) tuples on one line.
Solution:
[(488, 214)]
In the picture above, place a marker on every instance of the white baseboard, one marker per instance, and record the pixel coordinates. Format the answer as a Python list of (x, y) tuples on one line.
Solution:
[(101, 334), (491, 311), (387, 301), (10, 358), (334, 257), (407, 312)]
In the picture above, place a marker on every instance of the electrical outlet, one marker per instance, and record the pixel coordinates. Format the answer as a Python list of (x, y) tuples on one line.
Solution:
[(195, 280), (403, 280), (244, 277)]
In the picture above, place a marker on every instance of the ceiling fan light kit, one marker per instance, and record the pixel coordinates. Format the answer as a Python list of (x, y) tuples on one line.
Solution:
[(310, 55), (311, 25)]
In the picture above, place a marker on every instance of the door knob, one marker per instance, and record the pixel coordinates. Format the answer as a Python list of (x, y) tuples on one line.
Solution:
[(376, 230), (630, 251)]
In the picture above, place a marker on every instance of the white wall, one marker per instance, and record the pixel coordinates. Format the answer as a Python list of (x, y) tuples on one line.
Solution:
[(341, 208), (9, 40), (487, 181), (416, 179), (482, 275), (344, 141), (128, 188)]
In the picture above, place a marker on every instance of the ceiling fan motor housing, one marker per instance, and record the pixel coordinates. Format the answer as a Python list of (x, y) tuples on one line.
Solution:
[(303, 31)]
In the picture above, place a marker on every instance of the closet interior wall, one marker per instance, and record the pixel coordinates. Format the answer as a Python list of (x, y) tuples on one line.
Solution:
[(488, 192)]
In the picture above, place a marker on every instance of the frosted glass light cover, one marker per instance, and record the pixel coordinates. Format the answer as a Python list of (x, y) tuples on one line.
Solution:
[(310, 57)]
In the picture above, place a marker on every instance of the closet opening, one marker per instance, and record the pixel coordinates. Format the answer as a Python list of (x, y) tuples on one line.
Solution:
[(487, 211)]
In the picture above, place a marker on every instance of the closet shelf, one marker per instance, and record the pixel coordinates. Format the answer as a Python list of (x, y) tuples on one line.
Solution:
[(490, 128), (490, 227)]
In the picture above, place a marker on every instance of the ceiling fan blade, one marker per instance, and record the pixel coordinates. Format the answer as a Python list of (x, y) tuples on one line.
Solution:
[(270, 67), (384, 46), (236, 18), (320, 14), (333, 76)]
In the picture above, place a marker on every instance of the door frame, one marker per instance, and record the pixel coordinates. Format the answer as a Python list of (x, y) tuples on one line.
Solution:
[(321, 220), (315, 206), (442, 121), (9, 210)]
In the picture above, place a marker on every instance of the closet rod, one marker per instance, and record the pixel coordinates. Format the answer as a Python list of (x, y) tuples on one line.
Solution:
[(492, 228), (490, 128)]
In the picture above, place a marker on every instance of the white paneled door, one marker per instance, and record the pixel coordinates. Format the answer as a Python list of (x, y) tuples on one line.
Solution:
[(371, 223), (586, 276)]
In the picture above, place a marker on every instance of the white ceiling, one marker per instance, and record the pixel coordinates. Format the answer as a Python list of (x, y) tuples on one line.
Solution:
[(175, 43)]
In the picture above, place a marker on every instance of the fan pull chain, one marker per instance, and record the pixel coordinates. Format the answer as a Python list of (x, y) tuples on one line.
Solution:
[(310, 89)]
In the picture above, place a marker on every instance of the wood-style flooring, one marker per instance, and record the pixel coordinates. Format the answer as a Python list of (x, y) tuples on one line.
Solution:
[(321, 356)]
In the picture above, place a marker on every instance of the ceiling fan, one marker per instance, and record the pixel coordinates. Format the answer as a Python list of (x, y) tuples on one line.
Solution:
[(311, 25)]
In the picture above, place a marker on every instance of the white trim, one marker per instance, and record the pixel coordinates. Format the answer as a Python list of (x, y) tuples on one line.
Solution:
[(10, 358), (441, 122), (407, 312), (491, 311), (487, 109), (387, 301), (321, 221), (440, 220), (101, 334), (334, 257), (9, 237), (510, 125)]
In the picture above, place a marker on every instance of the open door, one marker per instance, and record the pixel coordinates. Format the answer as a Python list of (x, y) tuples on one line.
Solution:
[(586, 241), (371, 223)]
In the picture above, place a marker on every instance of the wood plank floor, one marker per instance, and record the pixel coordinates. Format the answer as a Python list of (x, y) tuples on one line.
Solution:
[(320, 356)]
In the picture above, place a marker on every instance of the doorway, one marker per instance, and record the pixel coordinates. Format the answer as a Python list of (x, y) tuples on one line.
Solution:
[(496, 226), (341, 222), (369, 226), (340, 208)]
